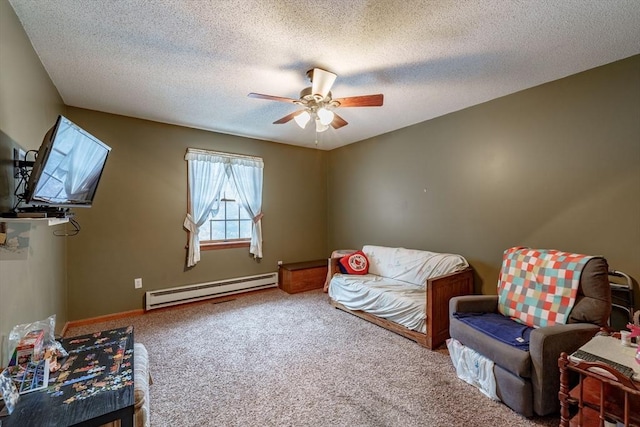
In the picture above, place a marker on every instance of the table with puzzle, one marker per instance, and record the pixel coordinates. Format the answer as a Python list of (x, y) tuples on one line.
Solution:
[(93, 386)]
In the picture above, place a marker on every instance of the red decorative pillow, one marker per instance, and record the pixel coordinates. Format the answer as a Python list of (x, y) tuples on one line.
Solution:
[(356, 263)]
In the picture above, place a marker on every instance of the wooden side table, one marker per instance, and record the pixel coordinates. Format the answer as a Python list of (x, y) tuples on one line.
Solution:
[(302, 276), (602, 394)]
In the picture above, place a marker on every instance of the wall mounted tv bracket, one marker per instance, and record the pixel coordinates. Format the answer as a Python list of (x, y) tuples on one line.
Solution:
[(21, 173)]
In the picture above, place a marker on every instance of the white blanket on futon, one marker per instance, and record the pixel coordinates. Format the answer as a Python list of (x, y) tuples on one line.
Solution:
[(398, 301), (394, 289), (411, 265)]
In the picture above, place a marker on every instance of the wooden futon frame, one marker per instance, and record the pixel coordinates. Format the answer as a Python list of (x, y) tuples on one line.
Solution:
[(439, 290)]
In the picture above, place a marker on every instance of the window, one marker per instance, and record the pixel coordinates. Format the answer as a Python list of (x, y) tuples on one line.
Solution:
[(230, 226), (225, 202)]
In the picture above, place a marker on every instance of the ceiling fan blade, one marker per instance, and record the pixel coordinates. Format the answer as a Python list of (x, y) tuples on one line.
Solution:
[(361, 101), (338, 121), (271, 97), (288, 117), (322, 81)]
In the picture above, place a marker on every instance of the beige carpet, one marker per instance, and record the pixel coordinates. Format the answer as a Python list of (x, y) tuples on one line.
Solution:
[(273, 359)]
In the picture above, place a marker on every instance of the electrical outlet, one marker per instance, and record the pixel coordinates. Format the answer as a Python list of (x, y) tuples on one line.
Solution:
[(279, 262), (137, 283)]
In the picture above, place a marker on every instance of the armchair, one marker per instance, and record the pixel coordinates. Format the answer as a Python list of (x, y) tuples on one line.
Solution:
[(525, 353)]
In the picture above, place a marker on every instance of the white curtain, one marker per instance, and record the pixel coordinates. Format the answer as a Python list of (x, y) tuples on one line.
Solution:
[(247, 177), (206, 175)]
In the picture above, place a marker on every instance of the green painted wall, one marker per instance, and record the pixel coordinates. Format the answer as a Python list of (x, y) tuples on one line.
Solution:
[(135, 228), (555, 166), (32, 285)]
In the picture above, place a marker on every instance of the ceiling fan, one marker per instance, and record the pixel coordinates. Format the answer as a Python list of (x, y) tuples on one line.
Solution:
[(317, 103)]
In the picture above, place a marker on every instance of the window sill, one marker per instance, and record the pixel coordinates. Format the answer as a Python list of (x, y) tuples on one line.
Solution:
[(224, 245)]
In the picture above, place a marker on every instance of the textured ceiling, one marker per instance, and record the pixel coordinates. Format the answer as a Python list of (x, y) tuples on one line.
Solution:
[(193, 62)]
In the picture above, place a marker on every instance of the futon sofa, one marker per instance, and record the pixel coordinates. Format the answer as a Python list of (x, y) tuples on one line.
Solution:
[(404, 290), (142, 380), (548, 302)]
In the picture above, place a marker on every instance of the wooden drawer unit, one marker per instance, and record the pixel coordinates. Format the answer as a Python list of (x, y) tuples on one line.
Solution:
[(302, 276)]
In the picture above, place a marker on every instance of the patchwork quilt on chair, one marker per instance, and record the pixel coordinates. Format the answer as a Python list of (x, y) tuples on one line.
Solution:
[(538, 287)]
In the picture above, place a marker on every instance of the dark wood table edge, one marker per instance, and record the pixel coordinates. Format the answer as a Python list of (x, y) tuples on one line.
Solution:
[(125, 415)]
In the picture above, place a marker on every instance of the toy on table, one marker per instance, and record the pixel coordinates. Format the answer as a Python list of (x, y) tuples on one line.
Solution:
[(635, 333)]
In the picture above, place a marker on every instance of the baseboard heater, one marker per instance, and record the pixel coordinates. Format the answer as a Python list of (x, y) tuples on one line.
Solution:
[(202, 291)]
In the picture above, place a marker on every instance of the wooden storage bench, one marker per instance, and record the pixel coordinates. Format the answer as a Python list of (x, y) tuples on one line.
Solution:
[(302, 276)]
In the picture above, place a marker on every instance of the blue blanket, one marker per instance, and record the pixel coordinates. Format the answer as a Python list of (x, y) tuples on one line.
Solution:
[(499, 327)]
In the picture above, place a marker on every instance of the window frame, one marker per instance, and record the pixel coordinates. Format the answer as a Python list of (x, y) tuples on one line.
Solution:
[(207, 245), (211, 245), (241, 242)]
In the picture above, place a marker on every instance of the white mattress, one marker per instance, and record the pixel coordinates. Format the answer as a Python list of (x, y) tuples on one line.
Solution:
[(391, 299)]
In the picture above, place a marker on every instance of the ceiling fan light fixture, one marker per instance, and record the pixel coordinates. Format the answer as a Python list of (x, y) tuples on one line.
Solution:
[(316, 103), (326, 116), (321, 81), (321, 127), (302, 119)]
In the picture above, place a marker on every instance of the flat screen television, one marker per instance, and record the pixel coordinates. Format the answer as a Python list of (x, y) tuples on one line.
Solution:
[(67, 169)]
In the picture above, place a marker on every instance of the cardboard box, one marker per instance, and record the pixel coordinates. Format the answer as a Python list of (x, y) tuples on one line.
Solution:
[(29, 348)]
